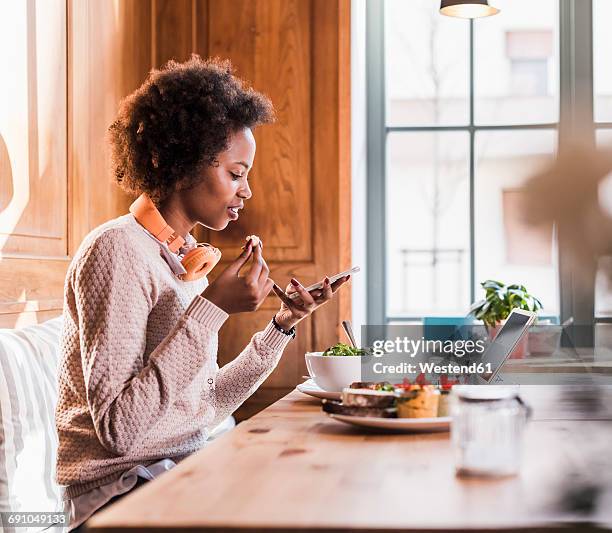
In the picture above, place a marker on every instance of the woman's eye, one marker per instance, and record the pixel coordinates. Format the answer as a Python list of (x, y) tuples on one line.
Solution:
[(235, 176)]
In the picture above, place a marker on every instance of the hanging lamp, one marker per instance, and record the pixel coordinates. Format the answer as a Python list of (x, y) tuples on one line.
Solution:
[(467, 9)]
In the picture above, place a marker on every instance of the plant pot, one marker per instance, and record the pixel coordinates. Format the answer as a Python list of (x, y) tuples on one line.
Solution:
[(521, 350), (544, 340)]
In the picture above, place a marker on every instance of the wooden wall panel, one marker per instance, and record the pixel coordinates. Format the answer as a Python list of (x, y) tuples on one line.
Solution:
[(331, 154), (173, 30), (270, 47), (30, 284), (33, 128), (33, 41), (298, 53), (33, 137), (109, 57), (81, 58)]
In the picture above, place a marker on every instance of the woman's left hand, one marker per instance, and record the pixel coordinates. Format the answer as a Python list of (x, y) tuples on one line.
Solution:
[(294, 310)]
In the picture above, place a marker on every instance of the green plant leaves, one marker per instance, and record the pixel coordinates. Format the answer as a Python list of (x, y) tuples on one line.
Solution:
[(499, 301)]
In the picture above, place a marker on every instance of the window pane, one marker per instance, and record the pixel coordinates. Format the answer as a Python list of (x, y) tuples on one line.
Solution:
[(602, 50), (506, 249), (604, 138), (603, 288), (603, 283), (427, 197), (516, 58), (427, 65)]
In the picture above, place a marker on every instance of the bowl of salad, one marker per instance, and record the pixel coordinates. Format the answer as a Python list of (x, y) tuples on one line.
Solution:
[(335, 368)]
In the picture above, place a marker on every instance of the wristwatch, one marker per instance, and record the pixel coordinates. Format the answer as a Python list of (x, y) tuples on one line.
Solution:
[(291, 332)]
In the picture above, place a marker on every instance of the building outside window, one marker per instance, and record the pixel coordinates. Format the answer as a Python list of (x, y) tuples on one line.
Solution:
[(460, 114), (602, 85), (471, 110)]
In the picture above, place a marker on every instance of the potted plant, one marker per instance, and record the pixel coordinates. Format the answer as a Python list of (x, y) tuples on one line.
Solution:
[(498, 303)]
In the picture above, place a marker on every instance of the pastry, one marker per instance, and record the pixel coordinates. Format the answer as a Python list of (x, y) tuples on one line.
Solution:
[(417, 401)]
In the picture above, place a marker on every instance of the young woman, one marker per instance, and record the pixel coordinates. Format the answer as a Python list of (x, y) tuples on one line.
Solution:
[(139, 386)]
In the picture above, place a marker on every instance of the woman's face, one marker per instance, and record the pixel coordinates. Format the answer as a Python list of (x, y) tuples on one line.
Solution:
[(224, 188)]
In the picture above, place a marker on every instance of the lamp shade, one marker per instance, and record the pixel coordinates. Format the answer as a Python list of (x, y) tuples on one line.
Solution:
[(467, 9)]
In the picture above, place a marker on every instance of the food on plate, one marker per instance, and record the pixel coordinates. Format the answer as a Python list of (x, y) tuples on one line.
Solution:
[(373, 385), (367, 397), (254, 239), (384, 400), (417, 401), (338, 408), (342, 349), (443, 403)]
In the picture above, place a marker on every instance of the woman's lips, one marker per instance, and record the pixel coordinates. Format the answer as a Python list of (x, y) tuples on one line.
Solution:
[(233, 212)]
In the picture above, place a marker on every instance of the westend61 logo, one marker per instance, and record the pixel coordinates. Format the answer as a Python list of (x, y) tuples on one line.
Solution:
[(412, 347), (397, 353)]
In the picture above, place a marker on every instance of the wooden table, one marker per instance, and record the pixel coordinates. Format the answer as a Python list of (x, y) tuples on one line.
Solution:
[(291, 468)]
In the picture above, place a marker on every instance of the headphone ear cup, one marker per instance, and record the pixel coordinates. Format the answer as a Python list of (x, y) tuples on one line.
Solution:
[(199, 262)]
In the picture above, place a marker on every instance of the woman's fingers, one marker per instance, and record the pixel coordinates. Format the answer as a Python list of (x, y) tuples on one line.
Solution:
[(282, 296), (316, 293), (264, 276), (304, 294), (339, 282), (306, 301), (327, 290), (240, 261), (290, 289), (252, 277), (265, 270), (324, 294), (267, 287)]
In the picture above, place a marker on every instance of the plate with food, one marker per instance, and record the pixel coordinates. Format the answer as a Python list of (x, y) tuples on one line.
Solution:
[(407, 408)]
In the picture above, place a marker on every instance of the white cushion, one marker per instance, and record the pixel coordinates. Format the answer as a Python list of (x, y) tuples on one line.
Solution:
[(223, 427), (29, 359)]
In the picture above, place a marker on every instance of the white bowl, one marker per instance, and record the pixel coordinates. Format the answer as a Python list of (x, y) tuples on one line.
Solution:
[(333, 372)]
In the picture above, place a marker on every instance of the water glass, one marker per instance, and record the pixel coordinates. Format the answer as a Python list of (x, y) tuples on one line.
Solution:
[(487, 430)]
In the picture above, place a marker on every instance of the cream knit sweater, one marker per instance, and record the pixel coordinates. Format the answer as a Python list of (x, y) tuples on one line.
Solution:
[(139, 379)]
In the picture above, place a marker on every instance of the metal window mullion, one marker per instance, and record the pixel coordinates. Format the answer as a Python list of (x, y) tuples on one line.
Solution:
[(576, 299), (376, 164), (504, 127), (472, 171)]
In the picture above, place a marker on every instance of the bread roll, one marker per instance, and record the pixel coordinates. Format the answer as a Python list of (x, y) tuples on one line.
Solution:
[(367, 398), (335, 407)]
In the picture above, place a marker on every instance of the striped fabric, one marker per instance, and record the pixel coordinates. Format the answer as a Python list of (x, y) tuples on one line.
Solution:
[(29, 359), (28, 440)]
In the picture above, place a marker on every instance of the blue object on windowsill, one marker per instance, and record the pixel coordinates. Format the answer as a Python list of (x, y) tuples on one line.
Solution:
[(447, 327), (550, 320)]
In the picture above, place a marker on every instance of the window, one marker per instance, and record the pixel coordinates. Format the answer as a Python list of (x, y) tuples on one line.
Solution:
[(531, 55), (602, 89), (470, 109)]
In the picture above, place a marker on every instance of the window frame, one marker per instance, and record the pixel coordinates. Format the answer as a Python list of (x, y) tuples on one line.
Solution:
[(575, 118)]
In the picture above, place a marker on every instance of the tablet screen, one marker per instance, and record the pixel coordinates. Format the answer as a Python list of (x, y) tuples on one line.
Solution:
[(499, 350)]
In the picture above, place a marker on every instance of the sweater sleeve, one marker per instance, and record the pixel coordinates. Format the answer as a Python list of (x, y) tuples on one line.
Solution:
[(114, 298), (240, 378)]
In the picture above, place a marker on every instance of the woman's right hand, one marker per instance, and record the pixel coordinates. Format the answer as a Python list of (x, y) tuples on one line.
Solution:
[(235, 293)]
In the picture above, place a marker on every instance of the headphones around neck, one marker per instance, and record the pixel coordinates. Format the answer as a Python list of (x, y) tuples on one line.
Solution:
[(197, 262)]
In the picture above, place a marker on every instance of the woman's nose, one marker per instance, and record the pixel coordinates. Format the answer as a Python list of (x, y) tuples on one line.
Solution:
[(245, 192)]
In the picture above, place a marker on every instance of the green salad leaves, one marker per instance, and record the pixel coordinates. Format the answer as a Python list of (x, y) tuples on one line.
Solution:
[(342, 349)]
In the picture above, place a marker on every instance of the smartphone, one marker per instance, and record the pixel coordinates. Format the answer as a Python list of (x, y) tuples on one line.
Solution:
[(319, 285)]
